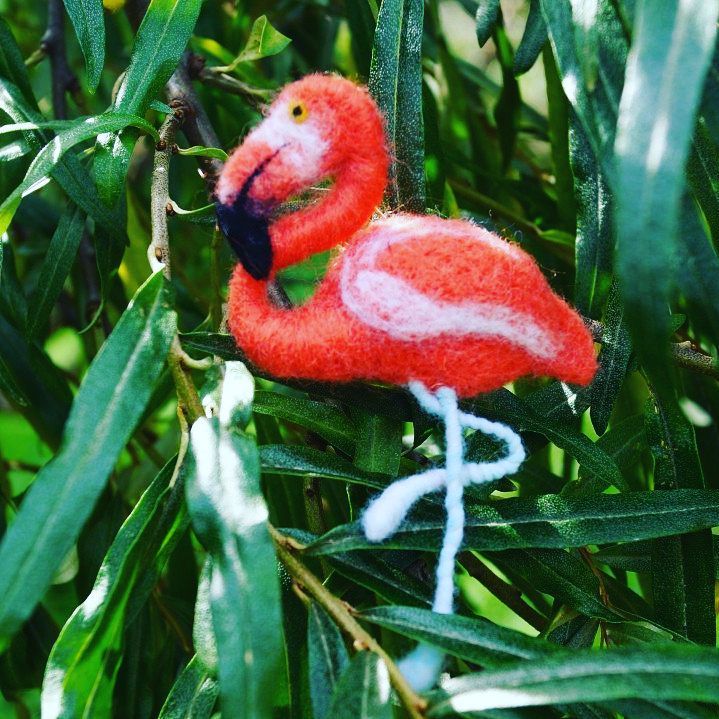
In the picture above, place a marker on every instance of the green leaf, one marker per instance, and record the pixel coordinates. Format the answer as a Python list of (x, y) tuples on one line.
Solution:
[(89, 23), (507, 407), (703, 175), (222, 345), (595, 224), (55, 268), (160, 41), (699, 278), (300, 461), (47, 159), (535, 35), (669, 672), (230, 517), (613, 362), (549, 521), (379, 442), (27, 375), (319, 417), (655, 125), (327, 659), (203, 634), (201, 151), (395, 82), (193, 695), (69, 173), (472, 638), (363, 691), (562, 575), (595, 105), (81, 671), (104, 413), (12, 66), (486, 19), (264, 41), (682, 567)]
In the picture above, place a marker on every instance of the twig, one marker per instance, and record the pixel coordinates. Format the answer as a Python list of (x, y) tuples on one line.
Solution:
[(196, 126), (53, 45), (337, 609), (683, 353), (158, 252)]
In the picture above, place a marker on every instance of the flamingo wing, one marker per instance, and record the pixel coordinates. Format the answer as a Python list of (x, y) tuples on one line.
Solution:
[(418, 278)]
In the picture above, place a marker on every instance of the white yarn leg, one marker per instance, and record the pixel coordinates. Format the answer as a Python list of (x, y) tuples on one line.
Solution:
[(422, 666), (385, 513)]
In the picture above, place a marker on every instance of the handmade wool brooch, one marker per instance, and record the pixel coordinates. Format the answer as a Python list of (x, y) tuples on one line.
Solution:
[(442, 306)]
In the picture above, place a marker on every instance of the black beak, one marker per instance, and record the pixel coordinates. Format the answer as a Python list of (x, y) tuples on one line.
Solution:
[(246, 225), (247, 229)]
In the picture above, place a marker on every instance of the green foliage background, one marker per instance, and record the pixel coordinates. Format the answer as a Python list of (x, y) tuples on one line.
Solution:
[(139, 576)]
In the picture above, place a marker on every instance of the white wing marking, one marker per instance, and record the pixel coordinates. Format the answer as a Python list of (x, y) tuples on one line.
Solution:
[(394, 306)]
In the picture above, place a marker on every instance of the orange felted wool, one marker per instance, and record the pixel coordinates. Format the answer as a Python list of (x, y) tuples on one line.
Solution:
[(442, 306)]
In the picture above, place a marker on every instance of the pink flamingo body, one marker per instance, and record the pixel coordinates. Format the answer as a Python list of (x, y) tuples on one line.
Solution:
[(442, 306), (409, 297)]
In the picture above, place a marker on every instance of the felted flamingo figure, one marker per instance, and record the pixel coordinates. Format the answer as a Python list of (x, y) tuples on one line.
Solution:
[(442, 306)]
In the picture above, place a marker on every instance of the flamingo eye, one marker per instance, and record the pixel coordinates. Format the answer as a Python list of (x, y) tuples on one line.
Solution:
[(298, 112)]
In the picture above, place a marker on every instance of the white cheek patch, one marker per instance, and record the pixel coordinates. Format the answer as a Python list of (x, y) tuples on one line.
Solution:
[(301, 144)]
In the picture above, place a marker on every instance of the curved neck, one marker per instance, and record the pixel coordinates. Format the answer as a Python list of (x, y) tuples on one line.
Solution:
[(346, 208)]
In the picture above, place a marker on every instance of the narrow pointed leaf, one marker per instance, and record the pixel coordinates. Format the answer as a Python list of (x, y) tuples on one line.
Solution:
[(363, 691), (107, 407), (654, 129), (87, 18), (327, 659), (535, 35), (55, 268), (550, 522), (672, 672), (82, 668), (395, 81), (193, 695)]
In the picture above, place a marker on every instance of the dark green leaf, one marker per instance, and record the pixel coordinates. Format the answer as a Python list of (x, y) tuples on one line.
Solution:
[(486, 19), (535, 35), (47, 159), (327, 659), (12, 66), (321, 418), (472, 638), (81, 671), (613, 363), (656, 121), (89, 23), (363, 691), (110, 401), (550, 521), (682, 567), (301, 461), (55, 269), (396, 83), (230, 517), (672, 672), (379, 442), (509, 408), (193, 695), (595, 224)]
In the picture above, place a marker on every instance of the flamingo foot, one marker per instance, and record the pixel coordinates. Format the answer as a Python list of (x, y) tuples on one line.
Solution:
[(385, 513)]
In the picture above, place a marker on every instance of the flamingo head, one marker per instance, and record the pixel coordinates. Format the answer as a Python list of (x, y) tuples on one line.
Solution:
[(315, 130)]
